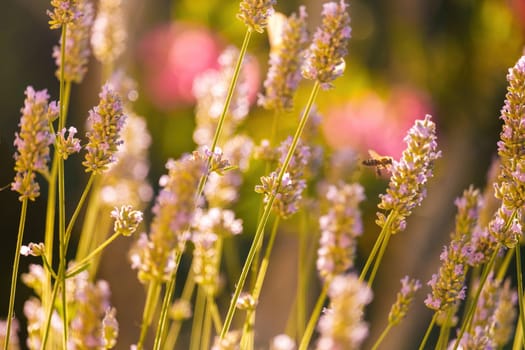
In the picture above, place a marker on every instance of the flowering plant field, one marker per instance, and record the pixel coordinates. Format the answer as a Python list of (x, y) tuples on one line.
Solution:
[(203, 264)]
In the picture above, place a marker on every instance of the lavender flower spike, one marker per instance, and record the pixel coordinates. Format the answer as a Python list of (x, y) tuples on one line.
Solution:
[(409, 287), (342, 325), (32, 142), (105, 123), (64, 12), (407, 184), (340, 227), (325, 58), (286, 59), (255, 13), (77, 45)]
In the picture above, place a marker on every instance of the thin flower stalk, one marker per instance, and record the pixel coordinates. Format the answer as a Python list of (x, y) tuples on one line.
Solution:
[(266, 214)]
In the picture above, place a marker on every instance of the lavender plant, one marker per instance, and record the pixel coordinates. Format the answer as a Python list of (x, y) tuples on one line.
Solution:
[(194, 212)]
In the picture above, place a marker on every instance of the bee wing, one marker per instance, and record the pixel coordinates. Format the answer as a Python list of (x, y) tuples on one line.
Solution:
[(276, 24), (373, 154)]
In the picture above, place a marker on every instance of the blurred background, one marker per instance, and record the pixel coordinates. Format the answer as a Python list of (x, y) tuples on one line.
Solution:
[(407, 58)]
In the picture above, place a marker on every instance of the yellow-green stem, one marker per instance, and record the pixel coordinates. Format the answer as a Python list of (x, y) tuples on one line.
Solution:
[(518, 337), (229, 96), (80, 204), (379, 258), (50, 228), (302, 273), (206, 327), (14, 275), (314, 317), (519, 278), (470, 311), (187, 292), (266, 214), (49, 313), (149, 309), (62, 246), (427, 333), (382, 337), (198, 319), (97, 250), (86, 243), (159, 335), (215, 315), (504, 266), (378, 244), (445, 330), (266, 261)]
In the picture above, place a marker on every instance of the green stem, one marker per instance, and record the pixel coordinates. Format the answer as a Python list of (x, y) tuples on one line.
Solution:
[(49, 313), (262, 223), (520, 288), (98, 250), (470, 311), (14, 275), (159, 335), (305, 340), (377, 261), (302, 273), (87, 241), (427, 333), (266, 261), (445, 329), (62, 246), (198, 319), (50, 228), (149, 309), (229, 95), (504, 265), (382, 337), (518, 337), (80, 204), (187, 292), (378, 244), (215, 315)]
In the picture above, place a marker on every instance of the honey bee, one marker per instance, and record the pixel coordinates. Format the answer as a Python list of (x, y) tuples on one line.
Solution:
[(379, 162)]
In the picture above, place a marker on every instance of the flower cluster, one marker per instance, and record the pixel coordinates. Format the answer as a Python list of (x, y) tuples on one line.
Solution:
[(342, 325), (127, 220), (210, 226), (340, 227), (109, 31), (325, 57), (288, 193), (505, 225), (255, 13), (448, 284), (223, 190), (64, 12), (409, 287), (173, 214), (66, 146), (492, 324), (285, 63), (32, 142), (76, 45), (407, 186), (105, 124)]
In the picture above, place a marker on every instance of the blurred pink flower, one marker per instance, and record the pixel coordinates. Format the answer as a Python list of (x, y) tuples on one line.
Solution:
[(172, 55), (372, 122)]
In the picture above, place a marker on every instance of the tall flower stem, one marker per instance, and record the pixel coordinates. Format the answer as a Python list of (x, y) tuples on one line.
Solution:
[(229, 96), (427, 333), (149, 308), (257, 240), (198, 320), (379, 258), (520, 288), (49, 237), (62, 245), (310, 327), (377, 246), (250, 319), (20, 237), (382, 336)]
